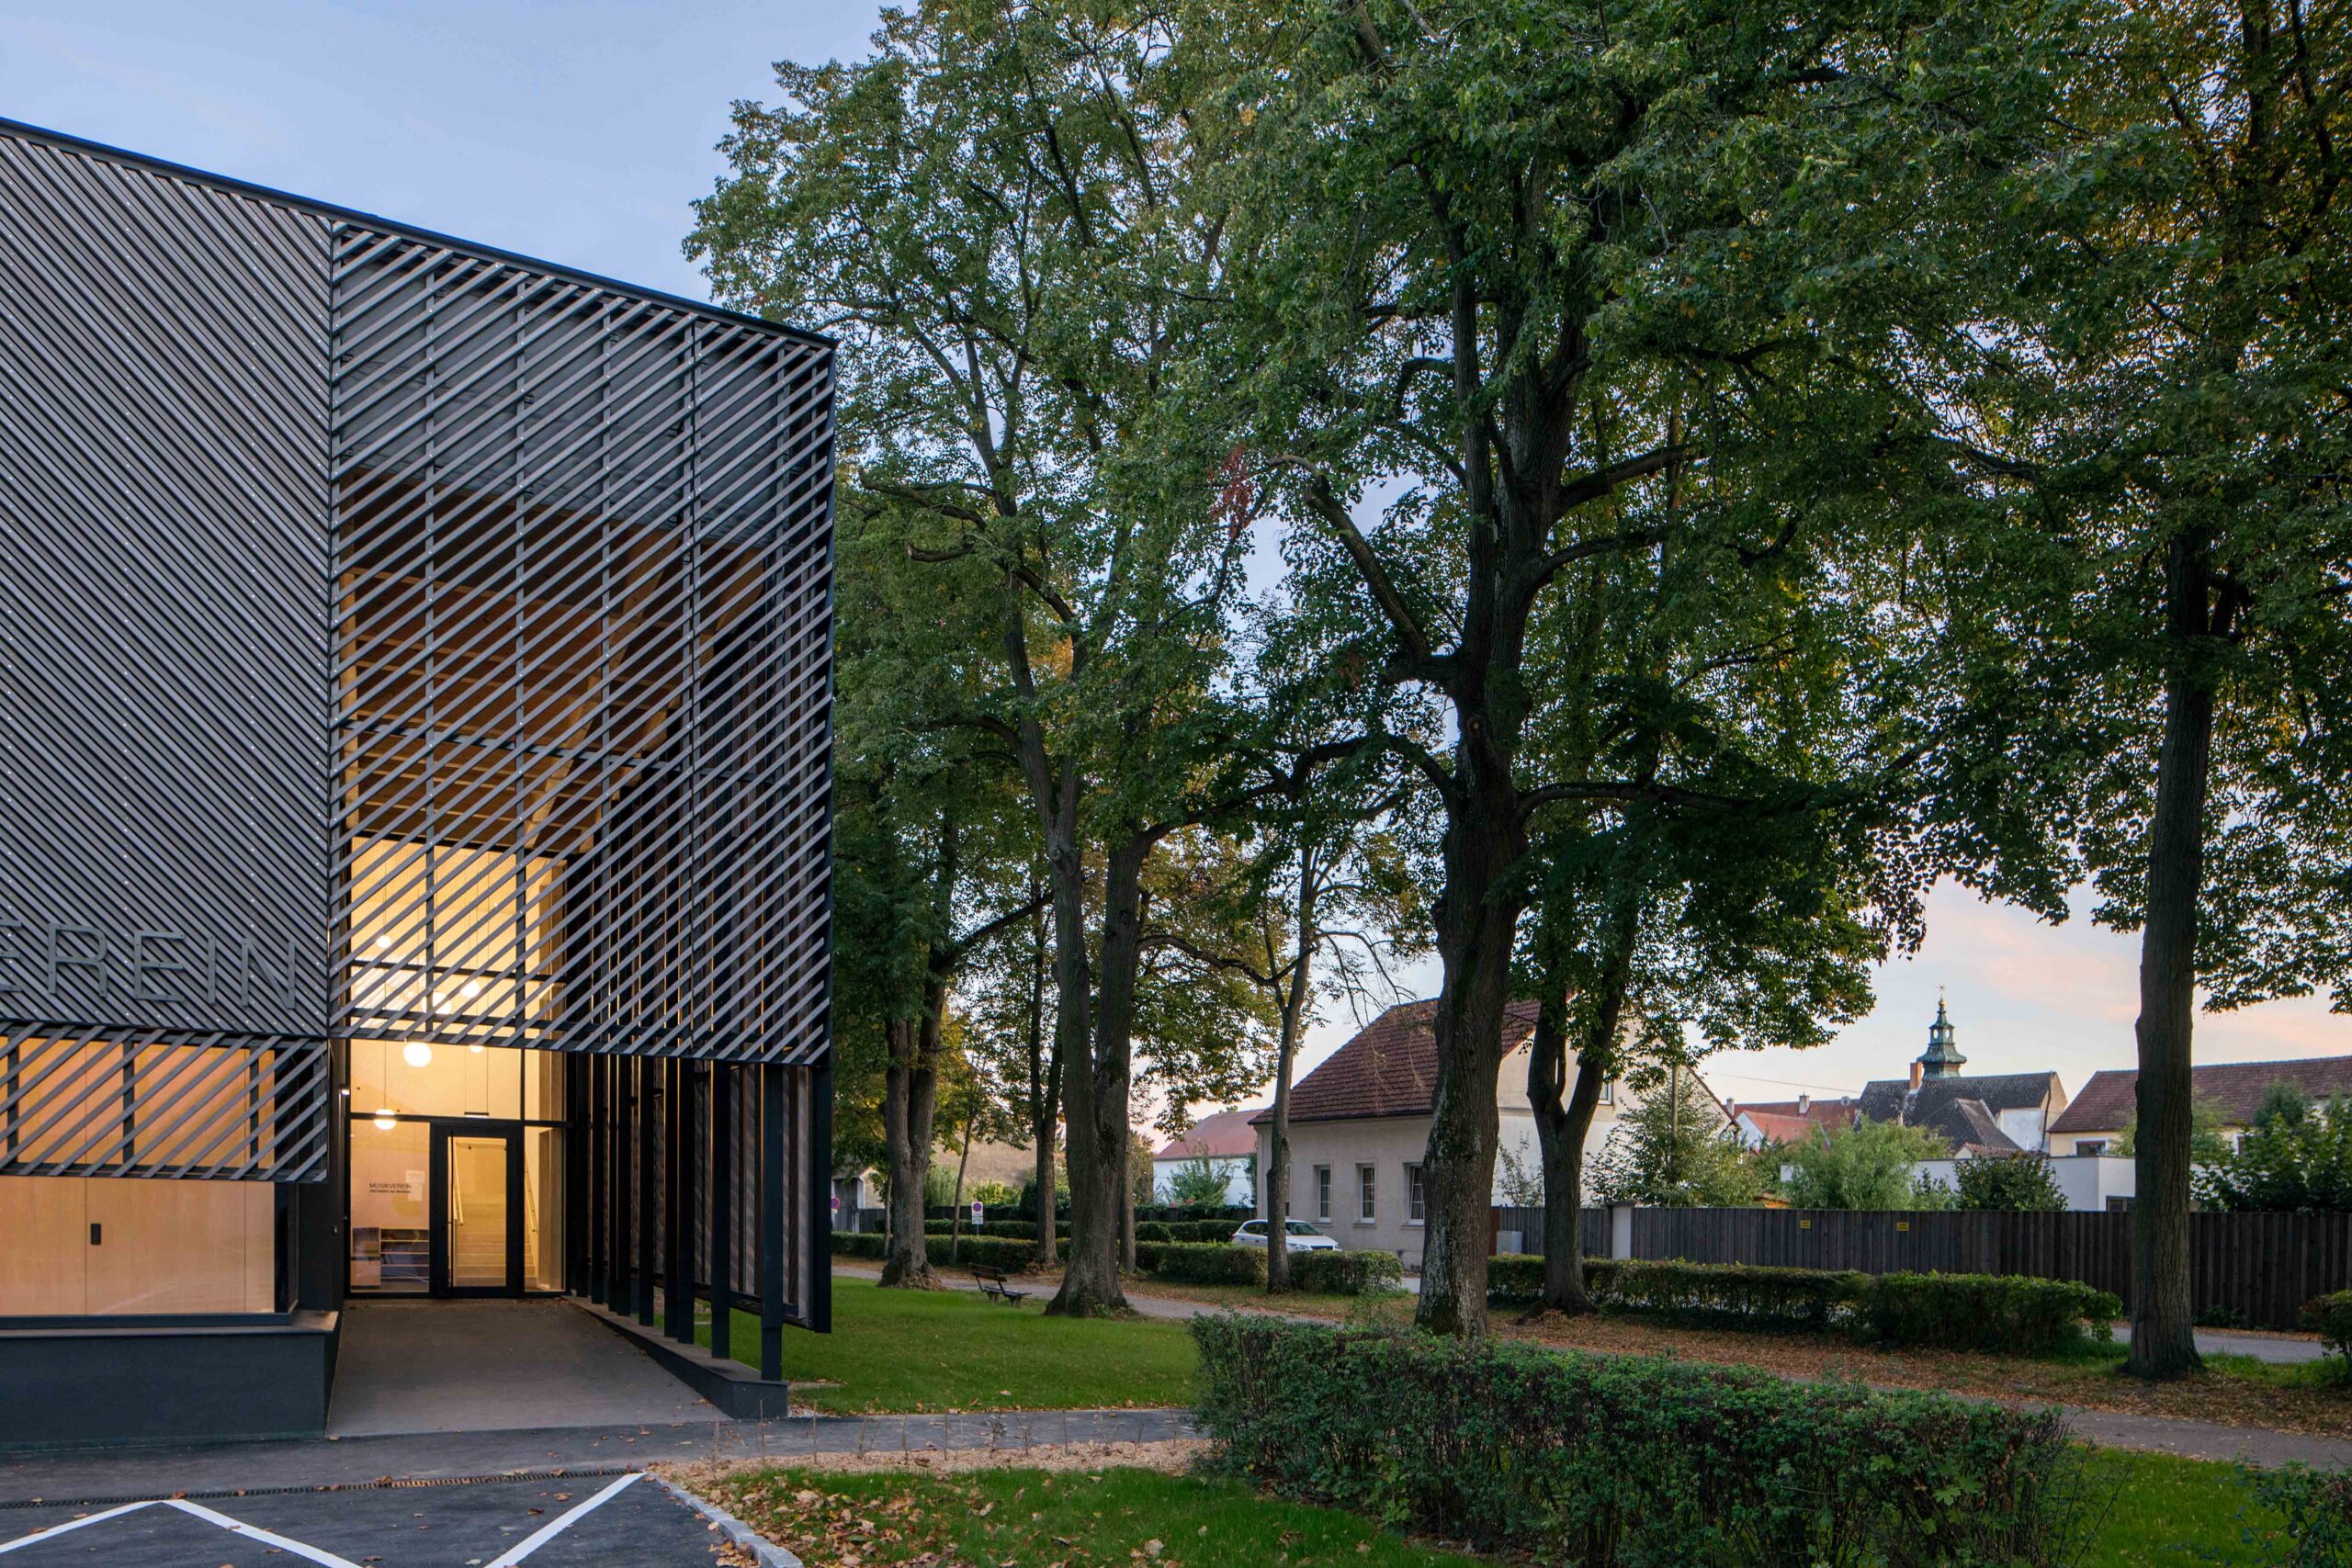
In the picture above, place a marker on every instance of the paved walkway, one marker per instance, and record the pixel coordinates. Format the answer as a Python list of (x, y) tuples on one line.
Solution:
[(91, 1477), (486, 1366)]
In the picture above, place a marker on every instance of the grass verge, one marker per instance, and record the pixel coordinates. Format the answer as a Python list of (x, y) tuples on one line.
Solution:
[(946, 1351), (1032, 1519), (2148, 1511)]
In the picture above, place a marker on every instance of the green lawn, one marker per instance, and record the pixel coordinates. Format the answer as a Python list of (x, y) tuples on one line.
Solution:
[(2157, 1511), (932, 1350), (1029, 1518)]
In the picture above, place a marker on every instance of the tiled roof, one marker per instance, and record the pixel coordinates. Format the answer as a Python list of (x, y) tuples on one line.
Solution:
[(1834, 1114), (1965, 1108), (1781, 1127), (1224, 1133), (1388, 1069), (2238, 1088)]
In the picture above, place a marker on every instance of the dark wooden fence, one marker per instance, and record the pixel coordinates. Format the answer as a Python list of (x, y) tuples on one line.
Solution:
[(1592, 1230), (2255, 1269)]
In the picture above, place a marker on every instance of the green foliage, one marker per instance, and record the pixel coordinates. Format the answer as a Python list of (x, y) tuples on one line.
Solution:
[(2014, 1182), (2296, 1156), (1606, 1461), (992, 1193), (1867, 1166), (2006, 1314), (1210, 1263), (2330, 1317), (2315, 1508), (1673, 1148), (991, 1251), (1199, 1182), (2209, 1138), (1347, 1272)]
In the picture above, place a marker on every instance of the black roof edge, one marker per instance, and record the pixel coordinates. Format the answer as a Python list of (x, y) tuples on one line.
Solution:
[(392, 225)]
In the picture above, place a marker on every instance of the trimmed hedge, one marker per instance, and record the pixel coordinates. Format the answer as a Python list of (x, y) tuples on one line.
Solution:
[(1207, 1263), (2014, 1313), (989, 1251), (1345, 1273), (2330, 1317), (2008, 1313), (1618, 1461)]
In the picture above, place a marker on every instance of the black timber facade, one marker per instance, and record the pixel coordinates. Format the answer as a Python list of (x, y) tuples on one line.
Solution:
[(414, 660)]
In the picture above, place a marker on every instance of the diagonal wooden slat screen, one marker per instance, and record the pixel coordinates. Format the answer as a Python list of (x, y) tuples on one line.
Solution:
[(398, 641)]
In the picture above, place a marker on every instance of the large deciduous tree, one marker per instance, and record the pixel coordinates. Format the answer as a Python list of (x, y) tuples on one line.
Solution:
[(1522, 271), (2178, 418), (982, 209)]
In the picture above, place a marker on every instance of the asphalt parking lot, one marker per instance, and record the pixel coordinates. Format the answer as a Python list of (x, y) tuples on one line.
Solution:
[(571, 1521)]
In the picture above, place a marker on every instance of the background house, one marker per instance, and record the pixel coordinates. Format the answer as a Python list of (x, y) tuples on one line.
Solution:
[(1359, 1122), (2095, 1118), (1789, 1121), (1226, 1142), (1975, 1113)]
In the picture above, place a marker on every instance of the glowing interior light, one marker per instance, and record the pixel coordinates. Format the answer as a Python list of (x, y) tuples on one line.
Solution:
[(385, 1121), (471, 989), (417, 1053), (382, 943)]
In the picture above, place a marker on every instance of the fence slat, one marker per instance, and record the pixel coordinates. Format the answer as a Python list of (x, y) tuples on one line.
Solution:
[(2255, 1270)]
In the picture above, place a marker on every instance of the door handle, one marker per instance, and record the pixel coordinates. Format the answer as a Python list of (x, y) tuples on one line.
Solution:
[(97, 1232)]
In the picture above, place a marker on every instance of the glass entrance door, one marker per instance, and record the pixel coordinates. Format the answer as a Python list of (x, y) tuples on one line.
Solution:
[(477, 1233)]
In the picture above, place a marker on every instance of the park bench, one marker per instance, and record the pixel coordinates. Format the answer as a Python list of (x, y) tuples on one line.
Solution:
[(993, 1283)]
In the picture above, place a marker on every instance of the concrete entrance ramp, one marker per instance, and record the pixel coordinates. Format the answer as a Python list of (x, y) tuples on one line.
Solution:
[(494, 1365)]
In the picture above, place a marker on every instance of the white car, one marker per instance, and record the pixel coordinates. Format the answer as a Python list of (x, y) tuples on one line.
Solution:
[(1304, 1238)]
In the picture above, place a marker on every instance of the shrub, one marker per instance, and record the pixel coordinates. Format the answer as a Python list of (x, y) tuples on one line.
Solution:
[(2009, 1312), (1515, 1277), (2019, 1183), (2330, 1317), (857, 1243), (2315, 1507), (1788, 1298), (1344, 1273), (1607, 1460), (989, 1251), (1208, 1263)]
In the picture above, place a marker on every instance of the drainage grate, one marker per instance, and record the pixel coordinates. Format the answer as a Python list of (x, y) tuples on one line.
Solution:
[(382, 1484)]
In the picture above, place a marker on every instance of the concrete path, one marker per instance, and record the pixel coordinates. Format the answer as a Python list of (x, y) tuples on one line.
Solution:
[(485, 1366), (2284, 1350), (92, 1477)]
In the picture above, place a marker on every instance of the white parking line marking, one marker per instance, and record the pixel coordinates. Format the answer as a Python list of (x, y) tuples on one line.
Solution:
[(55, 1530), (556, 1527), (235, 1526), (254, 1532)]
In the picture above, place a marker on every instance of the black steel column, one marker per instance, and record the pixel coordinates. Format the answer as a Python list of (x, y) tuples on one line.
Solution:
[(618, 1106), (600, 1249), (579, 1142), (772, 1221), (722, 1209), (648, 1182), (814, 1234), (677, 1201)]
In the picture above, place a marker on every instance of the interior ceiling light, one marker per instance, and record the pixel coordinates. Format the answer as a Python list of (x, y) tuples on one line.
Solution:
[(417, 1053), (385, 1120)]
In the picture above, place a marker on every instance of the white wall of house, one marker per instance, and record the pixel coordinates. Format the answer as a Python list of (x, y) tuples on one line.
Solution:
[(2025, 1127), (1391, 1148), (1240, 1172), (2088, 1181)]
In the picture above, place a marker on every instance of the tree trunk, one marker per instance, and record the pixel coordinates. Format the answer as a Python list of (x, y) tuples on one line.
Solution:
[(1476, 919), (1044, 1103), (910, 1097), (1305, 938), (955, 1215), (2164, 1342), (1094, 1097)]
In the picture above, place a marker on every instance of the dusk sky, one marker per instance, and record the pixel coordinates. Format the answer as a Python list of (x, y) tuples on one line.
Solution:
[(580, 131)]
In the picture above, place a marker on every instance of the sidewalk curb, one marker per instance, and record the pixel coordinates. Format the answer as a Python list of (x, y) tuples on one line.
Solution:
[(769, 1553)]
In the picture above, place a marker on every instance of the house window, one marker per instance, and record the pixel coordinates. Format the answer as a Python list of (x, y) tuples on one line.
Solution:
[(1365, 1209), (1323, 1193), (2090, 1146), (1413, 1193), (1609, 1091)]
